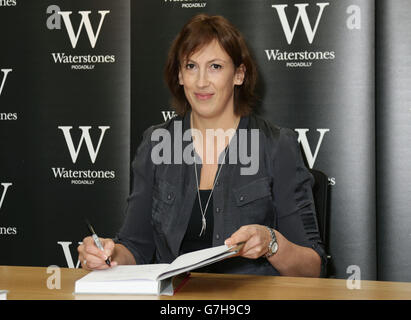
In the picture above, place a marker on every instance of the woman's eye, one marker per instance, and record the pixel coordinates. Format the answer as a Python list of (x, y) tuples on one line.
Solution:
[(190, 66), (216, 66)]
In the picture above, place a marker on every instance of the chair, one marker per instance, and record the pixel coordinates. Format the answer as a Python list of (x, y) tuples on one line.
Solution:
[(321, 196)]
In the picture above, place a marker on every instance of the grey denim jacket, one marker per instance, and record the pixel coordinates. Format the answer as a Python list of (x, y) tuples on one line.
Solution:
[(278, 195)]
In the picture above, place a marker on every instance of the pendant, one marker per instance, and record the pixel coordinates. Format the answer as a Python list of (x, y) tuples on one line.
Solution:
[(203, 227)]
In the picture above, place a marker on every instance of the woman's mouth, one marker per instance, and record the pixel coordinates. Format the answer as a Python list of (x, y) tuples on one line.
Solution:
[(204, 96)]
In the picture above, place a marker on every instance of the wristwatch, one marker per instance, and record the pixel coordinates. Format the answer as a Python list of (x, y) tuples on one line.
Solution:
[(273, 246)]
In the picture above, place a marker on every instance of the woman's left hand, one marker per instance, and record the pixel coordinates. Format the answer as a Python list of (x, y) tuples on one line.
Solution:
[(256, 238)]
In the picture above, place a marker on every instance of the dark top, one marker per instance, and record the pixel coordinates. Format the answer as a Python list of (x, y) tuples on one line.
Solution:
[(192, 240), (275, 190)]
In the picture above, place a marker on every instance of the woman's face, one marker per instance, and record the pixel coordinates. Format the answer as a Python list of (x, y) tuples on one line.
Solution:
[(209, 77)]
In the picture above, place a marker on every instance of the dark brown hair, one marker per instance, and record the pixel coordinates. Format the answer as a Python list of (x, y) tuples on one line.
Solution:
[(198, 32)]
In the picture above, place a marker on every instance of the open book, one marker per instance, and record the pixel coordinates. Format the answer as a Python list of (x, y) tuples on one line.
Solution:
[(149, 278)]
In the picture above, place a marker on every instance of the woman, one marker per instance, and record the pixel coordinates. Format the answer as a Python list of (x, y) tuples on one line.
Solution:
[(179, 207)]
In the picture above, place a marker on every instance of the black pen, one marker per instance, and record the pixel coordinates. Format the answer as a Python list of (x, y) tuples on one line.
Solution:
[(97, 241)]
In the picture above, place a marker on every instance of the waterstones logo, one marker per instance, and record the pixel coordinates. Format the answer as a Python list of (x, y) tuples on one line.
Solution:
[(311, 156), (188, 4), (310, 25), (303, 58), (303, 140), (299, 59), (167, 115), (4, 74), (83, 176), (4, 187), (8, 3), (302, 16), (83, 61), (65, 245)]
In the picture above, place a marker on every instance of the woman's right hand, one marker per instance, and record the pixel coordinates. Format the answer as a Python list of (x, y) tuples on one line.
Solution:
[(92, 258)]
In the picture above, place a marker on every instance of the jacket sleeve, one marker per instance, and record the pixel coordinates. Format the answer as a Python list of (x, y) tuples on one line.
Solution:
[(293, 198), (136, 233)]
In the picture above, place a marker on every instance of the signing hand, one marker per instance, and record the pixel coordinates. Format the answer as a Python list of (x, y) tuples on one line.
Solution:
[(92, 258)]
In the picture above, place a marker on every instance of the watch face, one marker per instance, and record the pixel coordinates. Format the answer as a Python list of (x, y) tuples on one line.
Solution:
[(274, 247)]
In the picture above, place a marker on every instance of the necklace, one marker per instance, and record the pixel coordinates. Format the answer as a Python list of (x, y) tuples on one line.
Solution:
[(203, 212)]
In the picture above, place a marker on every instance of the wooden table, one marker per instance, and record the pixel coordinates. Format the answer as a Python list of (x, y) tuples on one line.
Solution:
[(30, 283)]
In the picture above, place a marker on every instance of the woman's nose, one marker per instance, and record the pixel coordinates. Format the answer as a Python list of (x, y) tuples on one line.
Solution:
[(202, 79)]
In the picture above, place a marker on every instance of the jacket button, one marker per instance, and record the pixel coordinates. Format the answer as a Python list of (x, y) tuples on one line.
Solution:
[(242, 198), (169, 196), (217, 236), (218, 210)]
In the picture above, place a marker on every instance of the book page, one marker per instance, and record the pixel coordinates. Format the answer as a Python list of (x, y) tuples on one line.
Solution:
[(126, 272), (196, 259)]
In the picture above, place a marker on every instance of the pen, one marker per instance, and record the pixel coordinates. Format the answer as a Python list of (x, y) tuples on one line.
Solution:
[(97, 240)]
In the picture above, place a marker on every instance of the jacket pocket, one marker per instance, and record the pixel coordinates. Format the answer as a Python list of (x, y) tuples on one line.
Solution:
[(254, 202), (252, 191), (164, 195)]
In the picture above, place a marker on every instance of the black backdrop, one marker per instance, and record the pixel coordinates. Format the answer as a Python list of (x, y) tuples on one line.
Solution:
[(318, 79), (54, 189)]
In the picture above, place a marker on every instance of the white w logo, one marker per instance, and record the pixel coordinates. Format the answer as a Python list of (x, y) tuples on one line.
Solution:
[(302, 138), (85, 21), (67, 254), (3, 195), (85, 136), (3, 81), (167, 115), (302, 15)]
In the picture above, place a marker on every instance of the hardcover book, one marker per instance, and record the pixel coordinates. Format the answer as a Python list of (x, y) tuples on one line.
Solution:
[(150, 278)]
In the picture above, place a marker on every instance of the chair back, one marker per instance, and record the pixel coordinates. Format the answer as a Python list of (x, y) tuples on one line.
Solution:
[(320, 194)]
